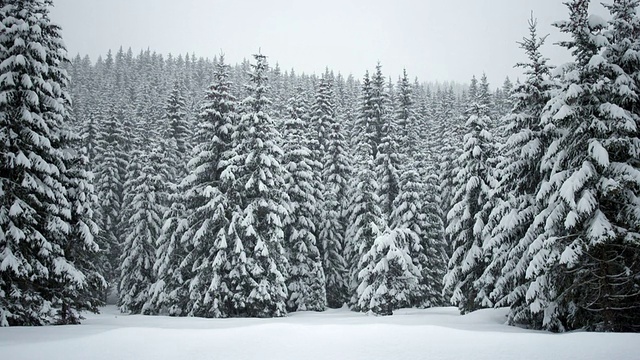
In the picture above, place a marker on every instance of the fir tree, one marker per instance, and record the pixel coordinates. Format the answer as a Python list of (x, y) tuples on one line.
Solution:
[(387, 162), (306, 282), (90, 133), (110, 169), (448, 132), (582, 263), (207, 195), (143, 214), (387, 277), (170, 290), (469, 213), (435, 245), (46, 232), (423, 234), (520, 178), (365, 225), (335, 175), (177, 130), (363, 125), (323, 112), (378, 114), (406, 118), (81, 247), (503, 100), (260, 269)]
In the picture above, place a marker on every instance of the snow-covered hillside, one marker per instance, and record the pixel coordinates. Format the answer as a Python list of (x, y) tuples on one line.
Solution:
[(434, 334)]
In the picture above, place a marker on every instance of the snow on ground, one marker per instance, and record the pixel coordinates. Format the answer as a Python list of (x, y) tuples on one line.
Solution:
[(432, 334)]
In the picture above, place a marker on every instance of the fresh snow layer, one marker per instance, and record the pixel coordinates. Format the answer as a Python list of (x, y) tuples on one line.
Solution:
[(438, 333)]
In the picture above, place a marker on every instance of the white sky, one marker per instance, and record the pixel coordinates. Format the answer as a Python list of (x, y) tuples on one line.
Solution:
[(436, 40)]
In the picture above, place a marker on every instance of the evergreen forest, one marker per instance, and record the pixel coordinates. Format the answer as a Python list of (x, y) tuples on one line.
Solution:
[(191, 186)]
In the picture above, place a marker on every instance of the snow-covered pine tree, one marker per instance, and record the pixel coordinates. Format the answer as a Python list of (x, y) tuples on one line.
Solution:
[(87, 125), (451, 128), (519, 180), (144, 204), (206, 258), (584, 266), (169, 292), (177, 130), (416, 206), (209, 246), (388, 278), (435, 244), (110, 168), (81, 247), (335, 175), (43, 213), (79, 74), (306, 282), (363, 130), (378, 113), (484, 97), (468, 216), (323, 115), (143, 213), (503, 99), (388, 161), (279, 100), (624, 72), (423, 233), (365, 225), (360, 133), (323, 111), (90, 133), (428, 131), (382, 132), (406, 120), (350, 111), (260, 275)]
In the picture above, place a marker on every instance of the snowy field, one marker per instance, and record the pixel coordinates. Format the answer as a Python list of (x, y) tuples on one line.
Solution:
[(431, 334)]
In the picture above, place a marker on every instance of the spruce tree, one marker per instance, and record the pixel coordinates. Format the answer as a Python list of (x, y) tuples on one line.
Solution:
[(387, 163), (469, 213), (406, 119), (177, 131), (423, 235), (306, 282), (378, 114), (387, 275), (582, 264), (520, 177), (110, 169), (143, 213), (81, 248), (170, 290), (335, 175), (452, 125), (259, 275), (363, 124), (503, 99), (90, 134), (207, 199), (323, 112), (46, 232), (365, 225)]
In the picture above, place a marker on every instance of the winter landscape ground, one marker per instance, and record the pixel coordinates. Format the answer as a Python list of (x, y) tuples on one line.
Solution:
[(434, 334)]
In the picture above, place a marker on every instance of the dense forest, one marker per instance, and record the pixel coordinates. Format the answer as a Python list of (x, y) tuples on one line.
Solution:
[(192, 187)]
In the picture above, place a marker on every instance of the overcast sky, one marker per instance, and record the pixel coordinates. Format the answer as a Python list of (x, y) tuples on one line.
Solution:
[(433, 39)]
